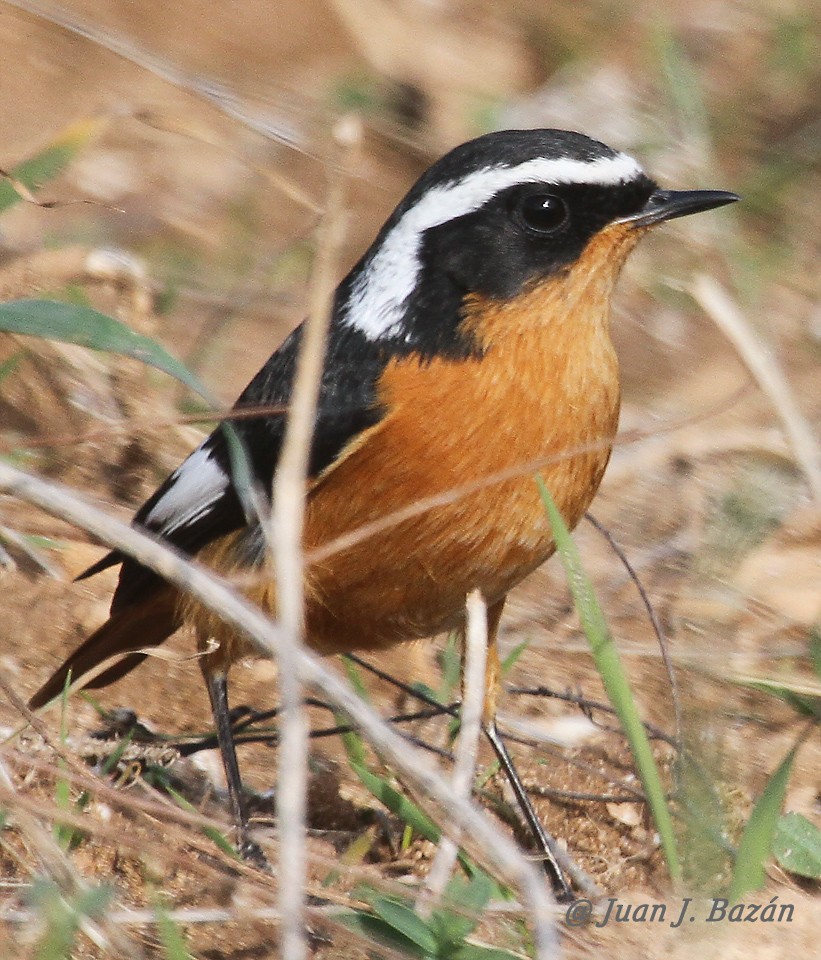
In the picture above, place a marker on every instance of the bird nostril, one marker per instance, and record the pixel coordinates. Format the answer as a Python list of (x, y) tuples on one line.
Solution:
[(665, 205)]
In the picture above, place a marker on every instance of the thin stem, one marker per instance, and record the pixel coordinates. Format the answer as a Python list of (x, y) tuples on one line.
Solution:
[(467, 746), (287, 517), (651, 613)]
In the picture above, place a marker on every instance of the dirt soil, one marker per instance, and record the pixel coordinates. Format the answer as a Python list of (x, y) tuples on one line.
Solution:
[(211, 156)]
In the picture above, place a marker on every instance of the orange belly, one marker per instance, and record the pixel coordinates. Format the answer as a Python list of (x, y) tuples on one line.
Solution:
[(446, 433)]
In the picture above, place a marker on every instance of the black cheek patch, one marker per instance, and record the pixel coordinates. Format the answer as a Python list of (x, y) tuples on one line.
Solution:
[(491, 254)]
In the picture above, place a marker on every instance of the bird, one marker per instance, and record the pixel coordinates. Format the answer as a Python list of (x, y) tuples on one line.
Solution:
[(472, 337)]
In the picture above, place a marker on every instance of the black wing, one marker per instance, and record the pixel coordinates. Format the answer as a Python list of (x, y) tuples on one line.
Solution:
[(199, 502)]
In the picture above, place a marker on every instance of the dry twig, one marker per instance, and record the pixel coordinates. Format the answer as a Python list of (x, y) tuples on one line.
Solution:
[(287, 519), (467, 747), (727, 316)]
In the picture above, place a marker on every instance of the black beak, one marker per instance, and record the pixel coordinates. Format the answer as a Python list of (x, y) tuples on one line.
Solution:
[(669, 204)]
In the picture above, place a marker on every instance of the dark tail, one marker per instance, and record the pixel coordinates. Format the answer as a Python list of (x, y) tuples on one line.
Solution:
[(135, 627)]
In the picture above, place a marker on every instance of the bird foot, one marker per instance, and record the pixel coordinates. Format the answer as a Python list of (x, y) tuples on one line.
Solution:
[(252, 854)]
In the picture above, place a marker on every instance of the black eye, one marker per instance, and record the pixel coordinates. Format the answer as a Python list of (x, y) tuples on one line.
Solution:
[(543, 212)]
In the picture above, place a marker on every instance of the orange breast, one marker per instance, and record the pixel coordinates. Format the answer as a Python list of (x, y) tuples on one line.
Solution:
[(543, 390)]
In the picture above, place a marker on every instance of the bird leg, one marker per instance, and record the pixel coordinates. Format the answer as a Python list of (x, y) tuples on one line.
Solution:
[(217, 682), (493, 677)]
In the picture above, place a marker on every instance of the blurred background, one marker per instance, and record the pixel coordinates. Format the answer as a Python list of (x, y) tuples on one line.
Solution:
[(197, 144)]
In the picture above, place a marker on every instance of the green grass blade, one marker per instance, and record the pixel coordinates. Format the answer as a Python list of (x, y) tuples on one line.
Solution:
[(802, 699), (116, 755), (375, 929), (51, 161), (9, 365), (352, 741), (354, 745), (797, 846), (815, 650), (510, 660), (757, 839), (407, 922), (472, 892), (70, 323), (62, 914), (451, 666), (461, 908), (472, 951), (171, 938), (615, 682), (79, 324), (397, 803), (216, 836), (354, 676), (400, 805)]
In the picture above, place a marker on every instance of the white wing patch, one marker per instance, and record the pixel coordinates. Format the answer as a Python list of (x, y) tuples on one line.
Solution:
[(377, 300), (194, 488)]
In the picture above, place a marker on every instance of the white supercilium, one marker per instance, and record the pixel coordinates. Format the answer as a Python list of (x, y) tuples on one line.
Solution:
[(378, 297)]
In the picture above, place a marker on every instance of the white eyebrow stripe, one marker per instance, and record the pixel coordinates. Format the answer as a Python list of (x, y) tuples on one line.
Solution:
[(377, 300), (195, 487)]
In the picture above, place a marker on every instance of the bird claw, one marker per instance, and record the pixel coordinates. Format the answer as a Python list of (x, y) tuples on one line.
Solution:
[(252, 854)]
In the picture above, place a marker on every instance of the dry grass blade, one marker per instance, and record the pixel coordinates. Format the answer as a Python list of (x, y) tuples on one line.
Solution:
[(664, 647), (726, 315), (202, 134), (219, 95), (287, 519), (467, 747)]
